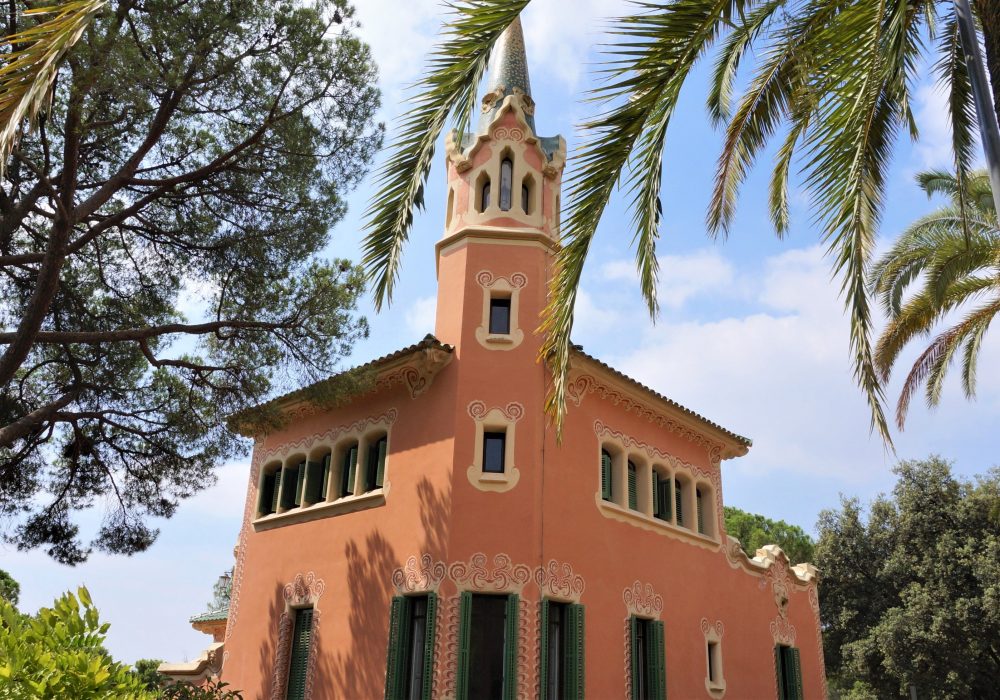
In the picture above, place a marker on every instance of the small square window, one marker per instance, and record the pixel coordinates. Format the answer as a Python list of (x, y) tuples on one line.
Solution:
[(500, 316), (494, 448)]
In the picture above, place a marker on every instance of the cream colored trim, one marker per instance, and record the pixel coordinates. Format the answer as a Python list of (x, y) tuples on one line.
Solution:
[(765, 560), (206, 666), (646, 522), (501, 288), (348, 504), (713, 635), (493, 235), (494, 419)]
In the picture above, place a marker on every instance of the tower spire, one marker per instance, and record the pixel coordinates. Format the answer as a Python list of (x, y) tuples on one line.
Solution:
[(508, 72)]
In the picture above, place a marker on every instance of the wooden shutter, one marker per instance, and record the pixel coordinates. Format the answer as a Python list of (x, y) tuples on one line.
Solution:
[(326, 477), (396, 654), (793, 653), (779, 672), (464, 622), (275, 488), (314, 482), (429, 637), (380, 470), (637, 668), (298, 664), (268, 494), (510, 648), (655, 494), (574, 652), (300, 480), (288, 487), (657, 661), (631, 486), (678, 502), (701, 520), (543, 651), (663, 496), (605, 476), (348, 471)]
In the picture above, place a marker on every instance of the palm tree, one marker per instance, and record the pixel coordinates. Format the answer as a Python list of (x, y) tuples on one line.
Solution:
[(948, 262), (28, 71), (832, 79)]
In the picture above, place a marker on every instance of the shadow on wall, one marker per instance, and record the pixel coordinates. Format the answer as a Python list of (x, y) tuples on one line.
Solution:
[(269, 647), (434, 507)]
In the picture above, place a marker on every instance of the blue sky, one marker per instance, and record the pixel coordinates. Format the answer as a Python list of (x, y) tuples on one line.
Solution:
[(751, 334)]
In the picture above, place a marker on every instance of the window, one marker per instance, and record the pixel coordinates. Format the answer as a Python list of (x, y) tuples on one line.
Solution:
[(499, 316), (482, 192), (713, 663), (561, 651), (348, 469), (317, 479), (494, 452), (701, 517), (411, 648), (525, 199), (292, 479), (632, 495), (506, 183), (375, 464), (786, 662), (301, 641), (487, 651), (661, 497), (268, 502), (679, 501), (606, 478), (649, 677)]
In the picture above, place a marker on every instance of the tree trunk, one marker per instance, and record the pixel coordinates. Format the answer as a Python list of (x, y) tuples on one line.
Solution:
[(989, 16)]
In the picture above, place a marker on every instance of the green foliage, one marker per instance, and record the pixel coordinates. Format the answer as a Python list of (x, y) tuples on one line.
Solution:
[(10, 590), (754, 531), (146, 671), (911, 594), (212, 690), (831, 80), (159, 235), (951, 255), (58, 654)]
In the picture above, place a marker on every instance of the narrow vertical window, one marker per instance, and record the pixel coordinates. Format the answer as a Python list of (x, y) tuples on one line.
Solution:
[(494, 452), (562, 651), (698, 504), (267, 502), (298, 664), (506, 183), (606, 471), (317, 478), (632, 495), (499, 316), (649, 679), (487, 655), (661, 497), (484, 197), (525, 199), (411, 648), (348, 470), (375, 464), (789, 670), (679, 501), (292, 478), (713, 671)]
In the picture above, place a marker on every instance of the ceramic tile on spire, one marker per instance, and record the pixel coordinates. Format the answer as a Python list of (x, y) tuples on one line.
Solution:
[(508, 71)]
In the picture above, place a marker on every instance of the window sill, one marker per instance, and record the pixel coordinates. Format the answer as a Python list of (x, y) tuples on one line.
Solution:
[(499, 339), (612, 510), (493, 481), (715, 688), (347, 504)]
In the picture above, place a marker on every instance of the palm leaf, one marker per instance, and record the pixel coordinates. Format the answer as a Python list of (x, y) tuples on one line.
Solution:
[(29, 70), (449, 88)]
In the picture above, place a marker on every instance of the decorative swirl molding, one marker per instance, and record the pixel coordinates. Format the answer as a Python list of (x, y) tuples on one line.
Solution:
[(628, 660), (711, 631), (527, 648), (513, 412), (585, 384), (486, 279), (557, 580), (641, 599), (502, 576), (425, 575), (386, 420), (502, 133), (304, 590), (447, 676), (783, 631)]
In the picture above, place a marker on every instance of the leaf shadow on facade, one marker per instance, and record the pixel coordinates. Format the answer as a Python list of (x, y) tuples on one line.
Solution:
[(270, 645)]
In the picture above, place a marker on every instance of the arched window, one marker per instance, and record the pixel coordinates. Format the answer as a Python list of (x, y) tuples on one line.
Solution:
[(484, 200), (506, 183), (525, 198), (606, 479)]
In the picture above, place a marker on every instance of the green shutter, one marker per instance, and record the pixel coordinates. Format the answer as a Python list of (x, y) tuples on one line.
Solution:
[(268, 495), (701, 520), (658, 662), (543, 652), (678, 502), (663, 496), (287, 499), (396, 650), (275, 488), (779, 671), (429, 647), (300, 480), (348, 471), (631, 487), (510, 649), (797, 672), (298, 664), (326, 477), (314, 482), (655, 494), (633, 624), (383, 444), (575, 652), (605, 476), (464, 622)]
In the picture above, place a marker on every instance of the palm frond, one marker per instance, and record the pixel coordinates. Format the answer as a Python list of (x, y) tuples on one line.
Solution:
[(449, 88), (29, 70), (951, 70)]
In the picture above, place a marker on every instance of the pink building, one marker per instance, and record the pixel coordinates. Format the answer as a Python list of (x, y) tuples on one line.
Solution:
[(432, 539)]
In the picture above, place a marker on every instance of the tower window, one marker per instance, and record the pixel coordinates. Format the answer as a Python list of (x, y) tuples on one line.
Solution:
[(499, 316), (482, 191), (525, 198), (494, 452), (506, 183)]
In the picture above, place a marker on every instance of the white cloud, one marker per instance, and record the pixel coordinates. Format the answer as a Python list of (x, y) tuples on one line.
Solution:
[(682, 277), (933, 150), (421, 314)]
